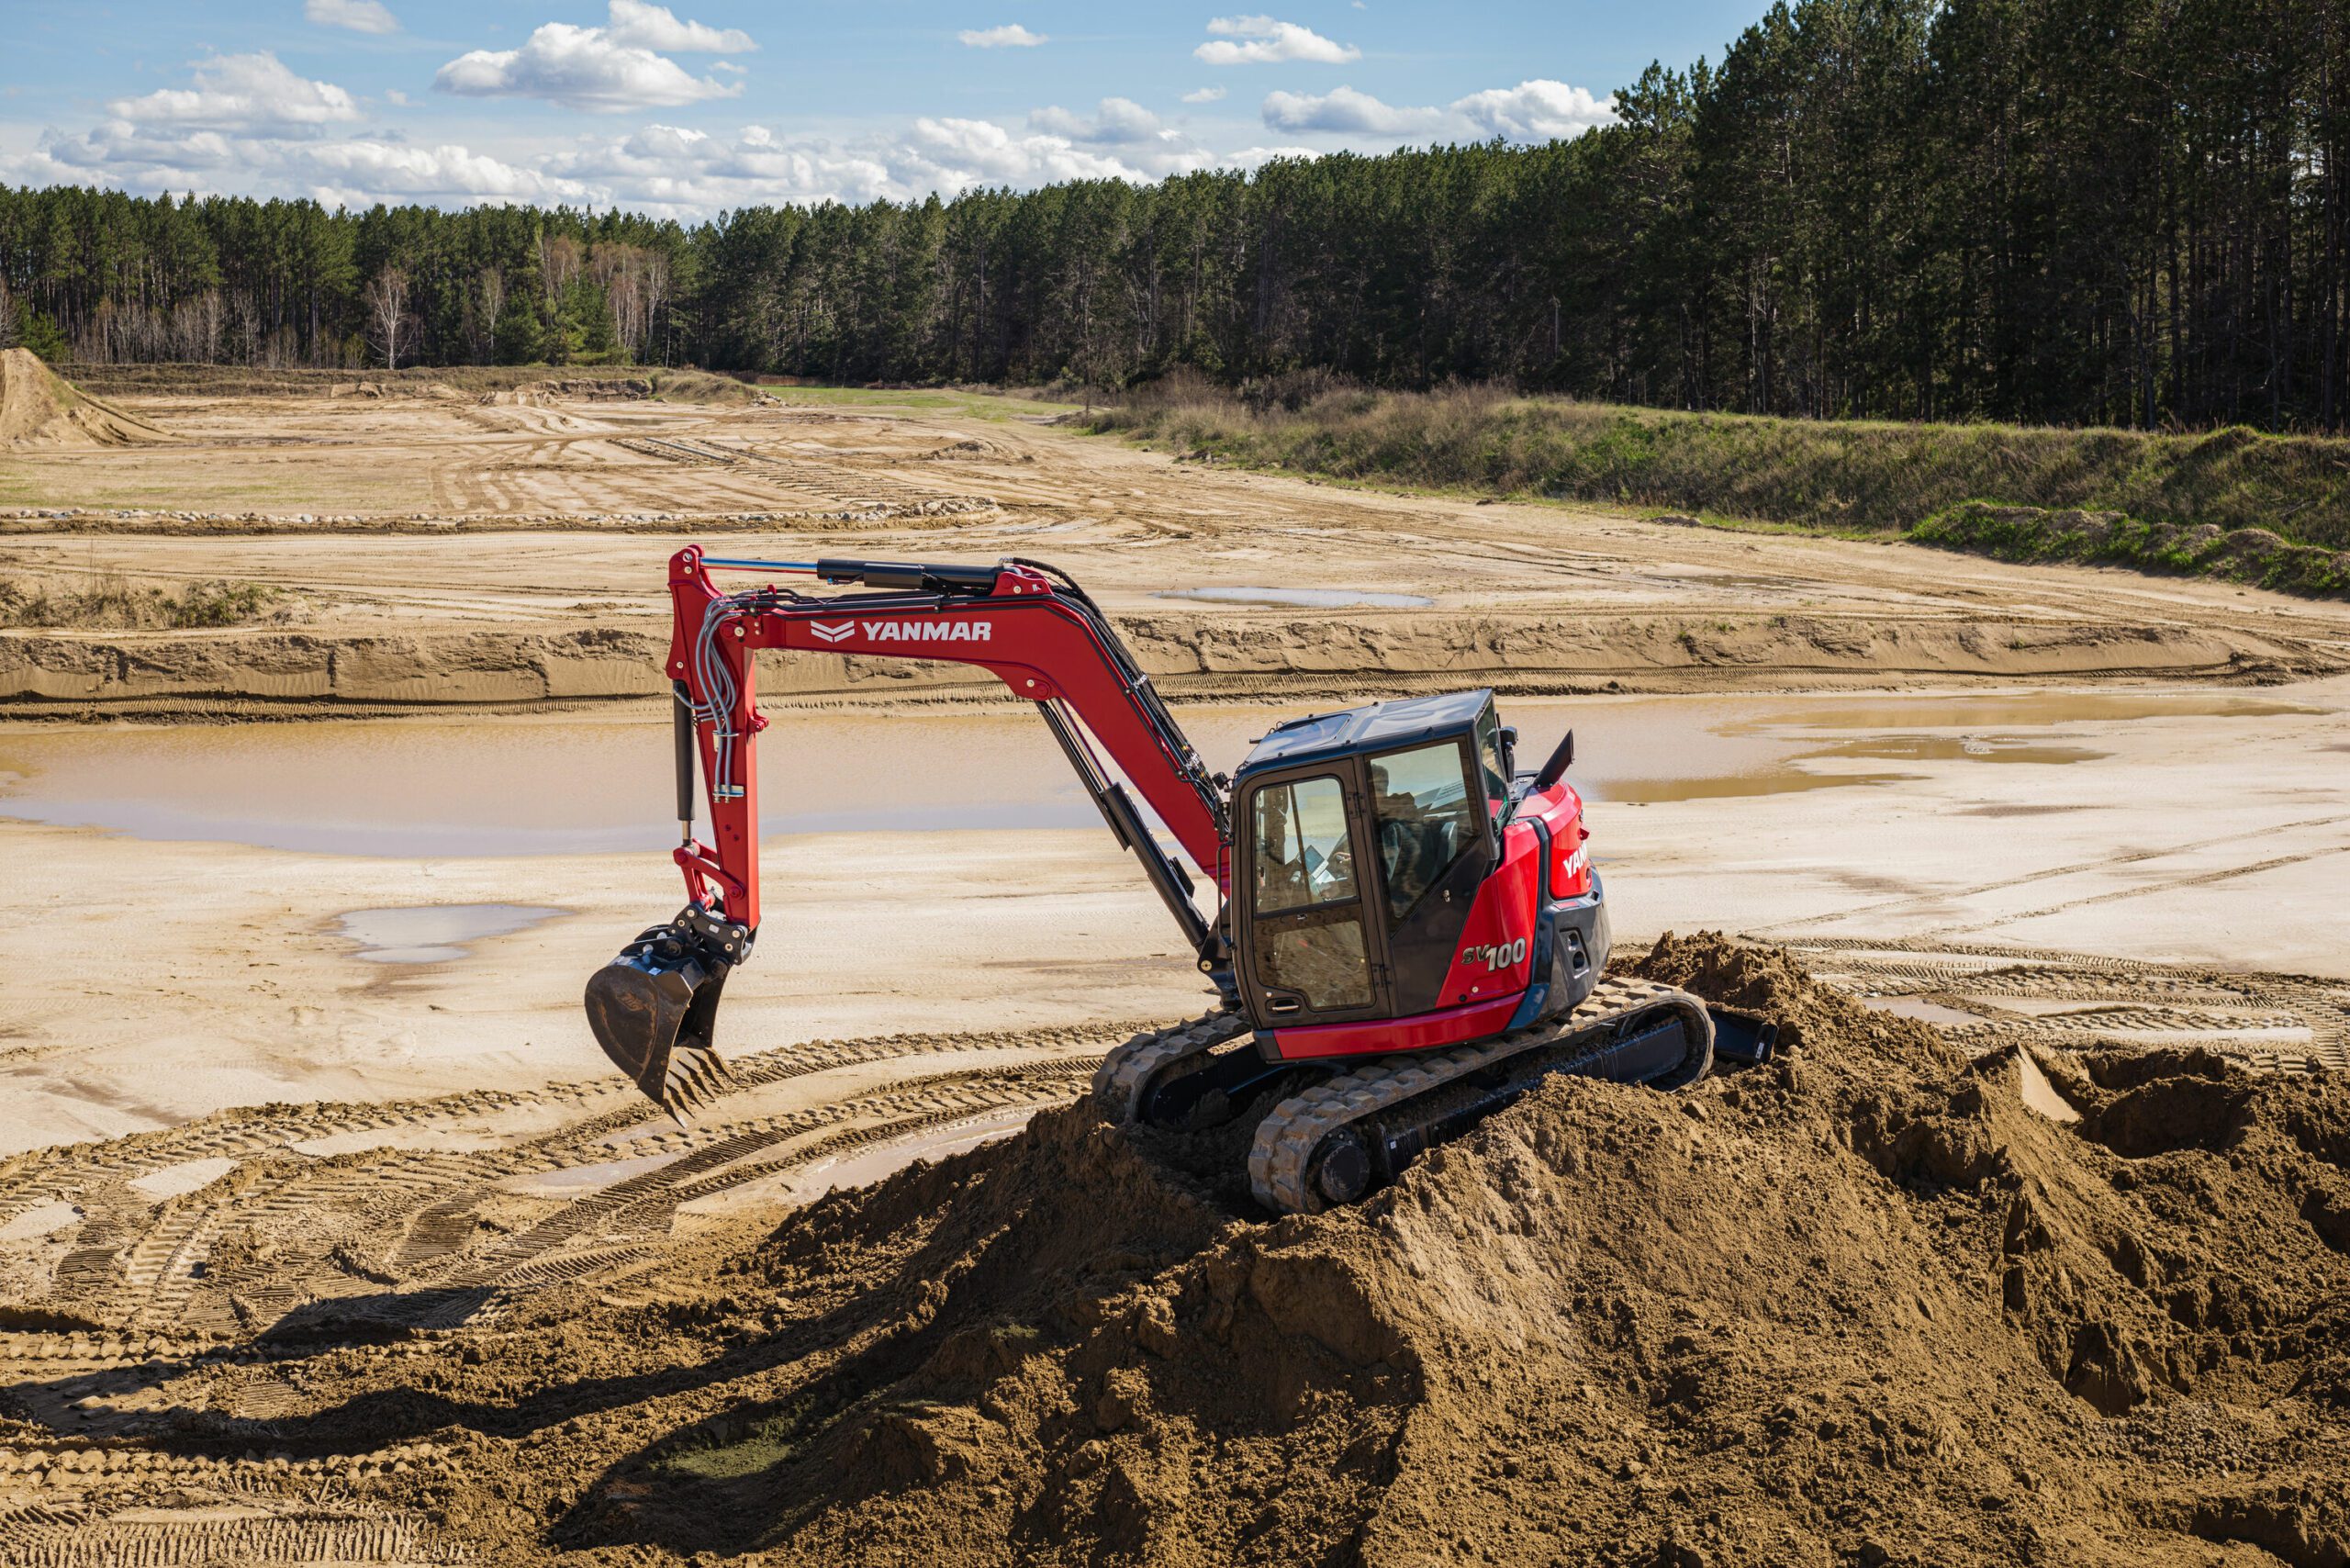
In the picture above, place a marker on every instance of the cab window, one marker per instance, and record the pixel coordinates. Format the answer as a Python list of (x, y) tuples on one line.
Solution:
[(1426, 814), (1304, 856), (1489, 758)]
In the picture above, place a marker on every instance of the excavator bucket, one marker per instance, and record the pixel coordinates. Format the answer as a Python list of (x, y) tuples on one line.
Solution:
[(653, 1009)]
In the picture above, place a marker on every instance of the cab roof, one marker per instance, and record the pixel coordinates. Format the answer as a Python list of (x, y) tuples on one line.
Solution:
[(1378, 726)]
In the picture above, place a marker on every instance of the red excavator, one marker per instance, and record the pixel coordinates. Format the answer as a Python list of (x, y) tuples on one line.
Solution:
[(1408, 933)]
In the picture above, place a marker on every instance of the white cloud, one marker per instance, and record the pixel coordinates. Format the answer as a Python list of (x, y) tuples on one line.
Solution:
[(247, 125), (954, 155), (354, 170), (1265, 42), (685, 173), (1012, 34), (666, 171), (1204, 95), (358, 15), (369, 169), (1535, 111), (241, 92), (599, 69), (1531, 111), (394, 96), (672, 171), (1344, 110), (640, 26), (1116, 122)]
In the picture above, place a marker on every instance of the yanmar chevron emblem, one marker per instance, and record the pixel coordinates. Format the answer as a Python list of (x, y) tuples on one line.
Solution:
[(958, 631)]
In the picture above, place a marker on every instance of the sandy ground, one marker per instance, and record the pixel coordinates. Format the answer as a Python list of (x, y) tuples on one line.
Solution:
[(2213, 839), (545, 580), (261, 1119)]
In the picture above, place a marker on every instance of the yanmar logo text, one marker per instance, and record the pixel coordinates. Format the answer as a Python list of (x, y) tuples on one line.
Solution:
[(904, 631)]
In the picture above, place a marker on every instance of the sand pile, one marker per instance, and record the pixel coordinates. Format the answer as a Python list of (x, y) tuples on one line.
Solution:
[(1859, 1306), (574, 389), (40, 409)]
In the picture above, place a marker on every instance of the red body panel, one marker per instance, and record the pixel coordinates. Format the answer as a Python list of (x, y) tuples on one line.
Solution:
[(1387, 1037)]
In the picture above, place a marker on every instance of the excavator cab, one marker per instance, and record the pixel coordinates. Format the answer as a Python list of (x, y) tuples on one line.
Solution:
[(1365, 836)]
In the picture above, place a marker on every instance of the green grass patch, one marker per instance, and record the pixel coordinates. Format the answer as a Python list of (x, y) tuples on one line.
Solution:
[(116, 604), (735, 1447), (1854, 480), (2256, 555), (996, 406), (750, 1444)]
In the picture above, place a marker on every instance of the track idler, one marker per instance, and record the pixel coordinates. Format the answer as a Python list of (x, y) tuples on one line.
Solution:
[(652, 1008)]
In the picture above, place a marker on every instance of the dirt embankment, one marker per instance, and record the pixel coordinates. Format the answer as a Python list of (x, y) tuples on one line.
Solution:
[(1859, 1306), (39, 410), (1198, 656), (304, 672), (505, 383)]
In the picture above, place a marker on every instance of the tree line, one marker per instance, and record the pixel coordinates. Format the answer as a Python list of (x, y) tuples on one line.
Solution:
[(2126, 212)]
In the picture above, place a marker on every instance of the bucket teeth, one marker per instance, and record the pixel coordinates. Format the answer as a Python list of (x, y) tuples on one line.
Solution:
[(696, 1076)]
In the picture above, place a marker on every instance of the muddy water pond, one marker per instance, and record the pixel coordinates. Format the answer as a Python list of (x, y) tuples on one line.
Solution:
[(578, 783)]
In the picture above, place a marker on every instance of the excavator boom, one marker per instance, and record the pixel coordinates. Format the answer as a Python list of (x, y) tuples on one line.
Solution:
[(654, 1007)]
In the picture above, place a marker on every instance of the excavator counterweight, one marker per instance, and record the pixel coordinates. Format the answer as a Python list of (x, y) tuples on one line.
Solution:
[(1407, 932)]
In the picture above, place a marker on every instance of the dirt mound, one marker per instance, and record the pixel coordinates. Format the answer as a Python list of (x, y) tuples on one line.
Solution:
[(572, 389), (975, 449), (40, 409), (1857, 1306)]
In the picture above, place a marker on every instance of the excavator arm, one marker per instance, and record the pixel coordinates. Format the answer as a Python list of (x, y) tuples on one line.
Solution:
[(652, 1007)]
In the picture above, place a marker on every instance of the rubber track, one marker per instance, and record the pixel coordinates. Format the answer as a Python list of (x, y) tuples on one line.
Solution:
[(1286, 1140), (1119, 1081)]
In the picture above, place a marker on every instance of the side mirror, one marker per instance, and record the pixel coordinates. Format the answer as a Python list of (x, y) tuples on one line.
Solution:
[(1556, 768)]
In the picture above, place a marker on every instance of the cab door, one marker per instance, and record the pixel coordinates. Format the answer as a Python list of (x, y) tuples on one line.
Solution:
[(1435, 844), (1309, 949)]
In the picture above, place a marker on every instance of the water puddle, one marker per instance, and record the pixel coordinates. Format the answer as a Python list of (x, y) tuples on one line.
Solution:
[(433, 934), (1772, 746), (2028, 709), (1961, 748), (585, 783), (1792, 774), (1302, 598)]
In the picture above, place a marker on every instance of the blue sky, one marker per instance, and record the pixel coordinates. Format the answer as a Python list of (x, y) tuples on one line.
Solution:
[(703, 105)]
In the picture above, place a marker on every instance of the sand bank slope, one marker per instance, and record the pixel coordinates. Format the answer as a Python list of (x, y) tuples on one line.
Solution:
[(39, 408)]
